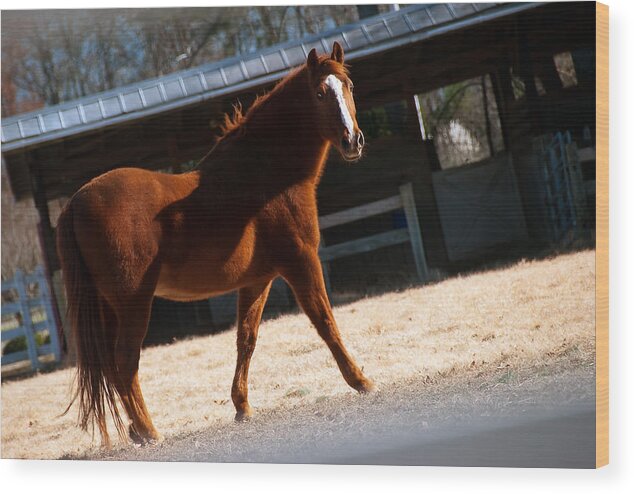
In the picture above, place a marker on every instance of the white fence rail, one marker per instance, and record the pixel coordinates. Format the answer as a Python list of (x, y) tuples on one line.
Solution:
[(411, 233)]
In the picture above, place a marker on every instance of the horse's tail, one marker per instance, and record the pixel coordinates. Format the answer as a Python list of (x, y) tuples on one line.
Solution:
[(94, 342)]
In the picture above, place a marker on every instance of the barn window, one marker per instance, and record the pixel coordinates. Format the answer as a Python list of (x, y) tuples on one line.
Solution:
[(518, 85), (566, 69), (539, 86), (463, 122), (383, 121)]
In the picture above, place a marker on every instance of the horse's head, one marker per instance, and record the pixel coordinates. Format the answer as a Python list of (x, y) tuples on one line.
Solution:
[(331, 93)]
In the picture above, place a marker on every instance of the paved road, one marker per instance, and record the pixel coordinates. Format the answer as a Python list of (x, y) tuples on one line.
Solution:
[(560, 439), (535, 418)]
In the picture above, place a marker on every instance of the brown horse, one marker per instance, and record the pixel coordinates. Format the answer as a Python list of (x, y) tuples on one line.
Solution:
[(245, 216)]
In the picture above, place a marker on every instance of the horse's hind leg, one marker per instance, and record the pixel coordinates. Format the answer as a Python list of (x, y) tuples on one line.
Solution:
[(133, 320), (307, 281), (251, 302)]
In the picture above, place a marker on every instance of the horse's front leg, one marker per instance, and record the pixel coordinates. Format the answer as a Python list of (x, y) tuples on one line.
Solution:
[(251, 302), (306, 279)]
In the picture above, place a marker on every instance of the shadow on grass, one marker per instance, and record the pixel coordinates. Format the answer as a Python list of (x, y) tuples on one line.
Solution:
[(371, 279), (366, 277)]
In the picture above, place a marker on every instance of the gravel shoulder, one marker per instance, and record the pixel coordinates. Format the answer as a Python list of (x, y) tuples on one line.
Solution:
[(541, 416)]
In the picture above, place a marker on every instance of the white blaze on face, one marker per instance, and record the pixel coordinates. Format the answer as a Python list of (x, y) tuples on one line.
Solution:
[(337, 86)]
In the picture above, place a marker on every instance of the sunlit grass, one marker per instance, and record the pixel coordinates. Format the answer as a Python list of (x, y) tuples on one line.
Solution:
[(510, 317)]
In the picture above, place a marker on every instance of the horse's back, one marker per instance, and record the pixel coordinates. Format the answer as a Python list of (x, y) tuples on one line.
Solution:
[(129, 187)]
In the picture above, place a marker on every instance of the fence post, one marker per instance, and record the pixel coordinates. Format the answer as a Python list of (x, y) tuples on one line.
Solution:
[(51, 321), (27, 324), (416, 239)]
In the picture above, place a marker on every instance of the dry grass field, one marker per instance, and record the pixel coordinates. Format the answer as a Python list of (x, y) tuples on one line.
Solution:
[(512, 317)]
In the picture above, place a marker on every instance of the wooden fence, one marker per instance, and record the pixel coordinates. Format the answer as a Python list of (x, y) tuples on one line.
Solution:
[(411, 233), (29, 312)]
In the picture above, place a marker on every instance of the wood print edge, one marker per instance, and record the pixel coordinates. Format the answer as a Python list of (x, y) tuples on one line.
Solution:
[(602, 236)]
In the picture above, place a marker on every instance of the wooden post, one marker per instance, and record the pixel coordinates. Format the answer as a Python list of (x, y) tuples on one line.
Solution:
[(46, 229), (416, 239), (47, 243), (527, 73), (48, 302), (27, 324), (426, 206)]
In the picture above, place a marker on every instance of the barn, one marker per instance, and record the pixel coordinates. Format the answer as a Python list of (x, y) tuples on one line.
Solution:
[(487, 109)]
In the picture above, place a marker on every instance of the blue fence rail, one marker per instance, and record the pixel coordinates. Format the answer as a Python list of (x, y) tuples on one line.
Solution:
[(29, 312)]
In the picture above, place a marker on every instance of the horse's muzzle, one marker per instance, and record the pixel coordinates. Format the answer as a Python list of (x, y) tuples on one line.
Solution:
[(352, 146)]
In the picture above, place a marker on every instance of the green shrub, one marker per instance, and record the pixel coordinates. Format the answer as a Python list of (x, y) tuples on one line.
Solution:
[(19, 344)]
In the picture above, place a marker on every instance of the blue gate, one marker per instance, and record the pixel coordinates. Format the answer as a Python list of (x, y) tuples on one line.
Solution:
[(28, 313), (558, 179)]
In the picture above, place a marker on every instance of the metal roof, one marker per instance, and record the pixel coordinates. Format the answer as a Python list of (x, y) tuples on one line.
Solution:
[(233, 75)]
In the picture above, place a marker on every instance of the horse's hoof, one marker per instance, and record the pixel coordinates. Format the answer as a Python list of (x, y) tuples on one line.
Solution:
[(106, 445), (244, 415), (366, 387), (156, 440), (144, 439)]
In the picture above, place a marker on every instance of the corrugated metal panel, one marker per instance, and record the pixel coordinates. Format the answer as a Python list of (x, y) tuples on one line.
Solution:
[(139, 100)]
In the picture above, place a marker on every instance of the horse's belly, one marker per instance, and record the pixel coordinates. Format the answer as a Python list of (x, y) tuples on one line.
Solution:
[(185, 282), (187, 294), (205, 277)]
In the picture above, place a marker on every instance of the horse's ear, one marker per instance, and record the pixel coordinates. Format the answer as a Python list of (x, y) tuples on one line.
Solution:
[(313, 59), (337, 52)]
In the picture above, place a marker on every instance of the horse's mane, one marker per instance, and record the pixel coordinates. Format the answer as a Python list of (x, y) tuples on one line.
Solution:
[(233, 122)]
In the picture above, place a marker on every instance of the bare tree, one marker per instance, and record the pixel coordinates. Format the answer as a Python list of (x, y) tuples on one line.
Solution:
[(14, 99), (270, 25), (20, 243), (173, 39), (66, 54)]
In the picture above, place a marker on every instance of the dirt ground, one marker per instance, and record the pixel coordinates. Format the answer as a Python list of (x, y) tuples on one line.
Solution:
[(498, 324)]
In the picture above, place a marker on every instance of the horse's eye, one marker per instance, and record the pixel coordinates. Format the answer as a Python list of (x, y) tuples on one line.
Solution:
[(320, 95)]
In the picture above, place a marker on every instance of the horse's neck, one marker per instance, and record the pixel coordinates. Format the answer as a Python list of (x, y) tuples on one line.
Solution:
[(278, 146)]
